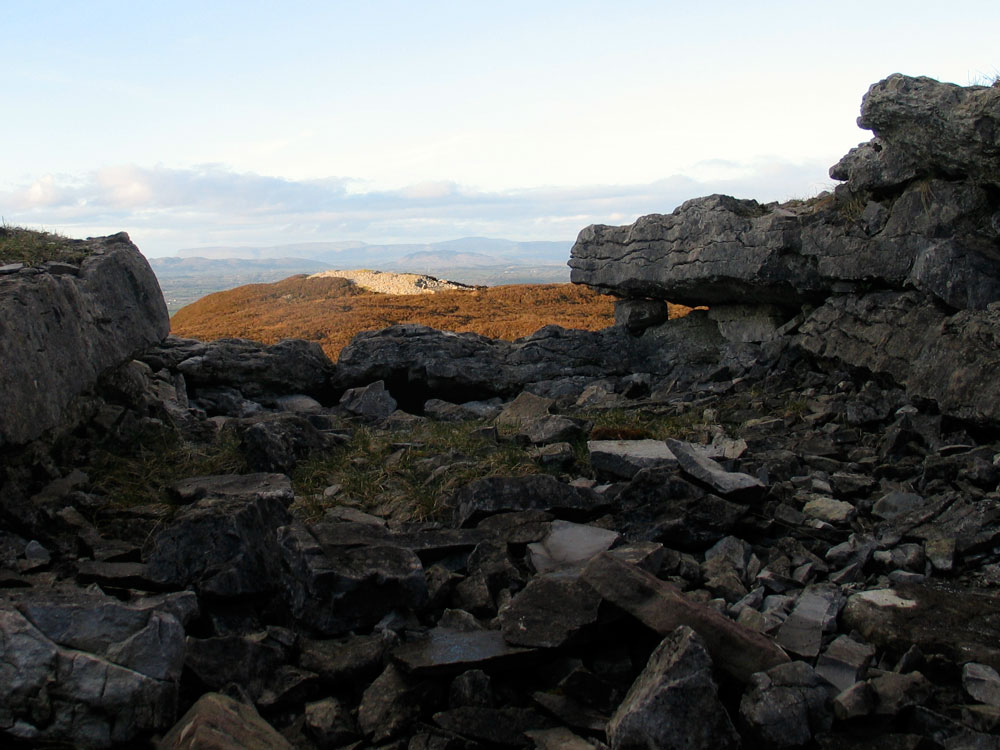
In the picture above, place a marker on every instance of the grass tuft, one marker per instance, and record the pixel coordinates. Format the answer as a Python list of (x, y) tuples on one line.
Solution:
[(404, 481), (32, 247)]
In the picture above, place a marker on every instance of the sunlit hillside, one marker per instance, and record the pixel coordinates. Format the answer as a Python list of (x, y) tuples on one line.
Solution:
[(331, 311)]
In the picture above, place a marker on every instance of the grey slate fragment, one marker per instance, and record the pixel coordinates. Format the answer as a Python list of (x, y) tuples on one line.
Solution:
[(625, 458), (730, 484), (814, 614), (675, 687), (448, 651)]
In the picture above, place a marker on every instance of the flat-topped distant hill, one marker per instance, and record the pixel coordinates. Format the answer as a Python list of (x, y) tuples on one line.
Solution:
[(331, 310), (194, 272)]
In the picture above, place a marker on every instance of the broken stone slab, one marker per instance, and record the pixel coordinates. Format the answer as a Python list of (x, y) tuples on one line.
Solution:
[(550, 611), (241, 486), (54, 691), (662, 607), (223, 547), (625, 458), (951, 359), (961, 623), (391, 704), (569, 544), (445, 651), (524, 409), (814, 614), (982, 683), (219, 722), (730, 484), (828, 510), (372, 401), (329, 724), (787, 705), (491, 495), (503, 727), (675, 687), (332, 590), (291, 366), (844, 662), (551, 428)]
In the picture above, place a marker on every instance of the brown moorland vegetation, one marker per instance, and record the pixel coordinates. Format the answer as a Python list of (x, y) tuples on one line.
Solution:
[(331, 311)]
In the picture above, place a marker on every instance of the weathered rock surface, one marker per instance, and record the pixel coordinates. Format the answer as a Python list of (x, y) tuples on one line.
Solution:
[(218, 722), (935, 230), (675, 687), (923, 127), (61, 331)]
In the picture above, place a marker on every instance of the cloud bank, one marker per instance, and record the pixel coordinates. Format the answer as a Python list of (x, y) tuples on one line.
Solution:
[(166, 209)]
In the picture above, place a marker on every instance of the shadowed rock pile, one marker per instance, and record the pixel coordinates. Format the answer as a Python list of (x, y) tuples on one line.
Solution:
[(774, 523)]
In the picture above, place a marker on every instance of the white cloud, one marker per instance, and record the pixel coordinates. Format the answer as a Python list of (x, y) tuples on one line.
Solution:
[(167, 209)]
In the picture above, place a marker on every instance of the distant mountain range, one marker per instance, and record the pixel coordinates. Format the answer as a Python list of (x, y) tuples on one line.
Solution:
[(195, 272)]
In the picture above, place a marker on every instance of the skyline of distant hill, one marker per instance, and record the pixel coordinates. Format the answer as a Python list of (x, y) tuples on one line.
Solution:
[(480, 261)]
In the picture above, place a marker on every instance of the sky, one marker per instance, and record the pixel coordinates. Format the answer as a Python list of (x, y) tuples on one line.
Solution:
[(205, 123)]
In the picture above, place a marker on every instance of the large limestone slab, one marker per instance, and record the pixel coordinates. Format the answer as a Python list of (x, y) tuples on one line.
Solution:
[(662, 607), (931, 226), (60, 331)]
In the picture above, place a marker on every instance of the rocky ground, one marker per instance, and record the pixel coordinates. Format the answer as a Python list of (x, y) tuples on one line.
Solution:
[(774, 523)]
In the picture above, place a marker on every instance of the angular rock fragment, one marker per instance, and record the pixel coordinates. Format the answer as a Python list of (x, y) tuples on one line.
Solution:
[(446, 651), (963, 624), (371, 401), (224, 547), (815, 613), (625, 458), (391, 704), (675, 687), (332, 590), (485, 497), (219, 722), (550, 611), (787, 705), (736, 650), (729, 484), (982, 683)]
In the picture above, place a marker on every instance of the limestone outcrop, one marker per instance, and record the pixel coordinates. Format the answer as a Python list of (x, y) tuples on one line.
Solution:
[(896, 271), (62, 327)]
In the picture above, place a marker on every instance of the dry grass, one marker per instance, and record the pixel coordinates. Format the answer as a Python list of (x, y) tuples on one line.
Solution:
[(404, 481), (31, 247), (332, 312)]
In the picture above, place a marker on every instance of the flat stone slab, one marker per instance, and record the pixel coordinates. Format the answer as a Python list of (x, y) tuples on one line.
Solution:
[(263, 485), (737, 650), (448, 651), (961, 623), (730, 484), (625, 458)]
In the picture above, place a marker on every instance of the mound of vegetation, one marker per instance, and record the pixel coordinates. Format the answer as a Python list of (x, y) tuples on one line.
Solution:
[(31, 247), (332, 311)]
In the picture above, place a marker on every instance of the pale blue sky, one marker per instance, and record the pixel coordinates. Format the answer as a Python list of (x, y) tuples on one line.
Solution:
[(207, 123)]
